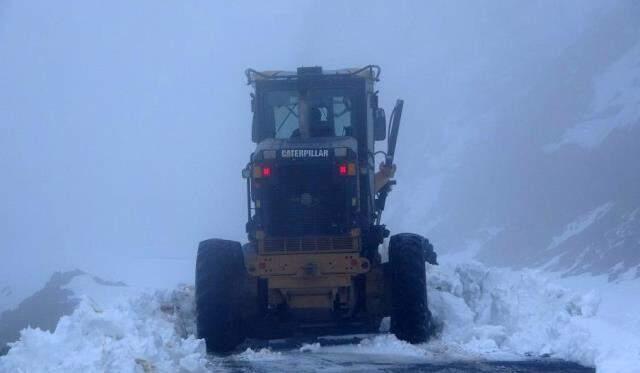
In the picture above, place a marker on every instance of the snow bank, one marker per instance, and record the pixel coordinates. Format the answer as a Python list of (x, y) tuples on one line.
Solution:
[(151, 332), (615, 329), (481, 313), (486, 312), (494, 313)]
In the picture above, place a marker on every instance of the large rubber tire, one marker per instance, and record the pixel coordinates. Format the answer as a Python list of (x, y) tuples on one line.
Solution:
[(410, 315), (220, 287)]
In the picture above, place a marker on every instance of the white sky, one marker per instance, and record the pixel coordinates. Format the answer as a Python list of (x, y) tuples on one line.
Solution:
[(124, 125)]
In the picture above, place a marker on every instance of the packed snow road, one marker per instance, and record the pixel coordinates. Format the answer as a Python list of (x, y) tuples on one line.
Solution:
[(488, 320), (351, 363), (372, 354)]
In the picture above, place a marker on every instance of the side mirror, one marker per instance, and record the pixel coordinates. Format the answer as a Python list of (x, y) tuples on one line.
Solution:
[(246, 173), (374, 101), (379, 125)]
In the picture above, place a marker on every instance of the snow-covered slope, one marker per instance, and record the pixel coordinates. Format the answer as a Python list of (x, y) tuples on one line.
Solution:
[(148, 332), (6, 296), (549, 162), (605, 240), (605, 236), (615, 105), (59, 297), (482, 313)]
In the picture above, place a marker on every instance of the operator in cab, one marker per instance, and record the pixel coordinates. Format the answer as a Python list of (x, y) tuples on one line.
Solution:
[(320, 128)]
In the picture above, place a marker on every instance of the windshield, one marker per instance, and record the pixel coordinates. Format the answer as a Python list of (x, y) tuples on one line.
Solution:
[(329, 114)]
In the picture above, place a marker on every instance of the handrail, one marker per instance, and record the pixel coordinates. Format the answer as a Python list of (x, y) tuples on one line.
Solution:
[(374, 70), (370, 68)]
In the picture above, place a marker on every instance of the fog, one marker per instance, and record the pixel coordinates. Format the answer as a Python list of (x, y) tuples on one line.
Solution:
[(124, 125)]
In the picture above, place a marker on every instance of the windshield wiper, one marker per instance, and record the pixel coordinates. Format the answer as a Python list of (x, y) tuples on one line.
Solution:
[(287, 117)]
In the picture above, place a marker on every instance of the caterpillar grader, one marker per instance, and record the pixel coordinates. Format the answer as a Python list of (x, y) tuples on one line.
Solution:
[(317, 260)]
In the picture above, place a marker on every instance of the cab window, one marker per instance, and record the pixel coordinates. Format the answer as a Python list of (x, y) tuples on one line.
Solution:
[(330, 113)]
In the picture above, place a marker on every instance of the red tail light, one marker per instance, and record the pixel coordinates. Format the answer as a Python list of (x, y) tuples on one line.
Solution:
[(342, 169), (266, 171)]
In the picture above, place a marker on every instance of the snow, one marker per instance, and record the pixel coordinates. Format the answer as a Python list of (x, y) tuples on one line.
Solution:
[(481, 313), (310, 347), (616, 104), (615, 331), (98, 292), (630, 274), (579, 225), (263, 354), (385, 344), (141, 334), (487, 312)]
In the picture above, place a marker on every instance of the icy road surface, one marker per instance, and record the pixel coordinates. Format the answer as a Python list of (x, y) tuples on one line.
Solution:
[(488, 320), (381, 353)]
